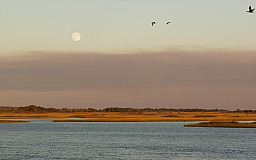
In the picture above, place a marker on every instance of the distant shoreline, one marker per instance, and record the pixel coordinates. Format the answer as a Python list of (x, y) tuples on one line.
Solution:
[(133, 116), (125, 114)]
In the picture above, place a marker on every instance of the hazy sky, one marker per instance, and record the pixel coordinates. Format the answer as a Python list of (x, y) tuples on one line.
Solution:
[(205, 58)]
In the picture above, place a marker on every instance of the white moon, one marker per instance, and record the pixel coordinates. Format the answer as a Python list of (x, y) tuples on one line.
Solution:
[(76, 37)]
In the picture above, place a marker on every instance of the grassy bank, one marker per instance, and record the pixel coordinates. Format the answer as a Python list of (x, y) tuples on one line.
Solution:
[(13, 121), (223, 125), (158, 117), (135, 116)]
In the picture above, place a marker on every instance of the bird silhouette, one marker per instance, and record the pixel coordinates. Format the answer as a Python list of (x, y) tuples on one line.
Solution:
[(168, 23), (250, 9), (153, 23)]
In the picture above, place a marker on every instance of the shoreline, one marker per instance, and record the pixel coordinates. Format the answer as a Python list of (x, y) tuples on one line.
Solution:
[(134, 116), (223, 125), (215, 124), (13, 121)]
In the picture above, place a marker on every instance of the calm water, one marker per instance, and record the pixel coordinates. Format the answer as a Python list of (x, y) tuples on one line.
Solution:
[(42, 139)]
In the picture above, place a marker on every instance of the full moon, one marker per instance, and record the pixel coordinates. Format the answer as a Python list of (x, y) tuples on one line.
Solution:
[(76, 37)]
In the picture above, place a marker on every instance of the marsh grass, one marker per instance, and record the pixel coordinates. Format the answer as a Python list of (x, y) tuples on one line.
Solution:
[(223, 125), (171, 115), (13, 121), (205, 116), (137, 116)]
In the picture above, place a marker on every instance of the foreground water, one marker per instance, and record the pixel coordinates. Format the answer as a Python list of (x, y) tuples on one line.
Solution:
[(42, 139)]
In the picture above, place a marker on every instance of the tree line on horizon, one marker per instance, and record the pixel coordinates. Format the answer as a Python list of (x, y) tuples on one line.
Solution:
[(39, 109)]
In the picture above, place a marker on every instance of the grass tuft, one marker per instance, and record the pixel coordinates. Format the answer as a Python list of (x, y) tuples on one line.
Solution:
[(223, 125)]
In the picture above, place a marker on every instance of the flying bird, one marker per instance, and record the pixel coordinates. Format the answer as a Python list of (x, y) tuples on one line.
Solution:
[(168, 23), (250, 9), (153, 23)]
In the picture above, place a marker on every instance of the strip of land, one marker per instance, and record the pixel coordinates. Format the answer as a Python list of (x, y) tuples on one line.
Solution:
[(157, 117), (134, 116), (13, 121), (223, 125), (125, 114)]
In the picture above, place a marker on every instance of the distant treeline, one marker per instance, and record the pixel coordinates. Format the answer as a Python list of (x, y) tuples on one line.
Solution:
[(38, 109)]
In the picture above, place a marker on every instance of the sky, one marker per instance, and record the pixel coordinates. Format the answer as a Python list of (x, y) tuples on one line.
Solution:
[(205, 58)]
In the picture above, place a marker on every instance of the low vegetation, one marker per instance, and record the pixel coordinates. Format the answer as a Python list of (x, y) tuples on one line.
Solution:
[(223, 125), (39, 109), (126, 114), (13, 121)]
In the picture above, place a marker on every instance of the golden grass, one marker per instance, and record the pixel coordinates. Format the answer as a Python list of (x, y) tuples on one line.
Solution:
[(223, 125), (12, 121), (137, 116)]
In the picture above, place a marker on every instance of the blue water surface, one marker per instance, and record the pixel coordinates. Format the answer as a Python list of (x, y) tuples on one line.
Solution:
[(43, 139)]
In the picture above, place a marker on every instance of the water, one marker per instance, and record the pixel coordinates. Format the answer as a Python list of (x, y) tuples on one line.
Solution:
[(42, 139)]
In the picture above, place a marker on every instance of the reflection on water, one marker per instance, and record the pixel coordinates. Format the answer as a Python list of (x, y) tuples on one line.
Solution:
[(42, 139)]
